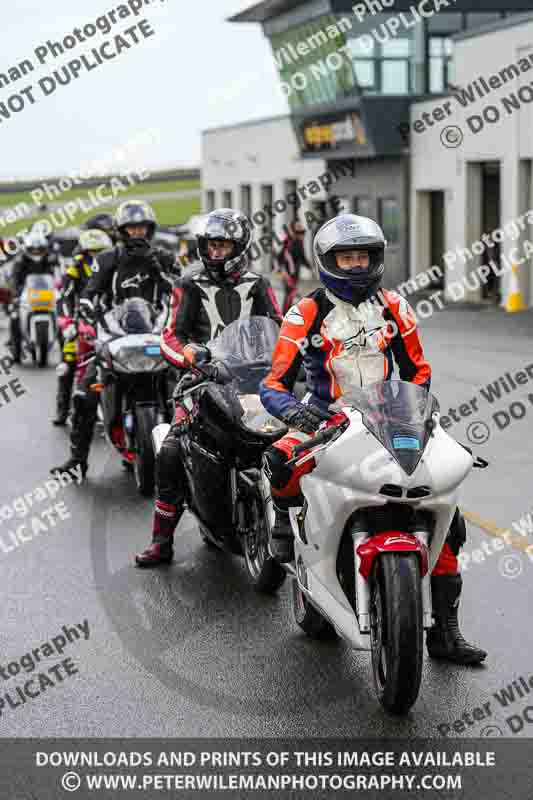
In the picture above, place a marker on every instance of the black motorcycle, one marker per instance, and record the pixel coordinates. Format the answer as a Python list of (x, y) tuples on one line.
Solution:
[(225, 431), (132, 384)]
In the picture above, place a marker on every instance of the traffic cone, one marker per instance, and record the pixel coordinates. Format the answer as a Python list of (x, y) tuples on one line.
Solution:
[(515, 301)]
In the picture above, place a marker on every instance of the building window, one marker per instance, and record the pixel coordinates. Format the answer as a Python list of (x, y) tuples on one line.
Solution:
[(210, 200), (246, 199), (440, 63), (301, 54), (382, 68), (395, 66), (226, 200), (389, 219)]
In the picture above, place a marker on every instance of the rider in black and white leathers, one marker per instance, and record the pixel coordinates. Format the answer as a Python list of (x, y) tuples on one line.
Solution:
[(202, 305)]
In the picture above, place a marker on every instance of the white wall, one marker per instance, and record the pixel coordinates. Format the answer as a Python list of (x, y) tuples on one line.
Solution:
[(258, 153), (435, 167)]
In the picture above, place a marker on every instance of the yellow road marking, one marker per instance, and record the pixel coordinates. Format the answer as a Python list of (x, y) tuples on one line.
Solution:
[(493, 530)]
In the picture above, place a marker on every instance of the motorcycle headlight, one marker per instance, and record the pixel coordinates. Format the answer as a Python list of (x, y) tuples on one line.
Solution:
[(127, 359)]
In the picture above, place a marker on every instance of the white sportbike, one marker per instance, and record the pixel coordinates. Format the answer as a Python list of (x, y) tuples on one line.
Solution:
[(377, 510)]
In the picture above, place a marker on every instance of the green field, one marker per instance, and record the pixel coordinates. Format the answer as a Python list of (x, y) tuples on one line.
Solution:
[(8, 199), (168, 212)]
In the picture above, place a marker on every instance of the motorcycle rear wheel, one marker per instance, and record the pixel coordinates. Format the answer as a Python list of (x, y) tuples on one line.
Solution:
[(308, 618), (396, 624), (266, 574)]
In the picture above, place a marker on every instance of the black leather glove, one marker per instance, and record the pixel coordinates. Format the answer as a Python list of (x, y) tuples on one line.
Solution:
[(305, 418)]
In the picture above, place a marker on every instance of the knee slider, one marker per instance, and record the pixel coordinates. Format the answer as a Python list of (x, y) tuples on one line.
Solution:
[(167, 468)]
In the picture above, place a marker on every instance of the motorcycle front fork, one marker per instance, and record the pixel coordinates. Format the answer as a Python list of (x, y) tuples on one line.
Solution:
[(362, 585)]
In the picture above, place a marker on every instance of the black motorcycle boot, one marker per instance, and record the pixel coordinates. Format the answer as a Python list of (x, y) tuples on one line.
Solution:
[(445, 640), (166, 518), (64, 391), (281, 543), (83, 422)]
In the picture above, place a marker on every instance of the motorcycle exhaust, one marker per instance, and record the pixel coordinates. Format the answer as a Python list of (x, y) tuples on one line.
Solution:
[(158, 436)]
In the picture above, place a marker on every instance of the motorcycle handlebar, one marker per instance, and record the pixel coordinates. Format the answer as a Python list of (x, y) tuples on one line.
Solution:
[(321, 438)]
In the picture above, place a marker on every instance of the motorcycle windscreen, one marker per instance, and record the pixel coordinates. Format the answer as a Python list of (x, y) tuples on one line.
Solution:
[(136, 316), (397, 414), (40, 283), (246, 346), (132, 317)]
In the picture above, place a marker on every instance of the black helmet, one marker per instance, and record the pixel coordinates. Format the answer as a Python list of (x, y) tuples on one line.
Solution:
[(350, 232), (102, 222), (135, 212), (232, 226)]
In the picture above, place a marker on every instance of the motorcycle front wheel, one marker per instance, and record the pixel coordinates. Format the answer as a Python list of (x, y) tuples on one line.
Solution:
[(266, 574), (396, 625), (144, 464), (41, 344)]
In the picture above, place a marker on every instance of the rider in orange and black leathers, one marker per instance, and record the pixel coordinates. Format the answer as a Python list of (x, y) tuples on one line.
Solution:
[(344, 340)]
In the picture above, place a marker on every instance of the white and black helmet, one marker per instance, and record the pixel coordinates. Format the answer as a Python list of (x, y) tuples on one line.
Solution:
[(36, 245), (94, 241), (232, 226), (349, 232)]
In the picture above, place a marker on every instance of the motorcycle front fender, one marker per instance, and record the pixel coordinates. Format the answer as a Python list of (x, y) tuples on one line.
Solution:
[(390, 542)]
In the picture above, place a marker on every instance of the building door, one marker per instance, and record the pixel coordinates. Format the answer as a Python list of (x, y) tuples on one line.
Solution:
[(267, 199), (437, 236), (490, 220)]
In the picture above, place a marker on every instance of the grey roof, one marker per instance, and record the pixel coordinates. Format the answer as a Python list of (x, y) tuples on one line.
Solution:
[(492, 27), (248, 122), (260, 12)]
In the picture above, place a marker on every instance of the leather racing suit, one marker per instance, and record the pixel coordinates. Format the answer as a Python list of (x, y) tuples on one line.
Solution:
[(200, 309), (341, 346)]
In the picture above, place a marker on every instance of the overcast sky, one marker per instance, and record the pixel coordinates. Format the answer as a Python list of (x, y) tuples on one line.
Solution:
[(196, 72)]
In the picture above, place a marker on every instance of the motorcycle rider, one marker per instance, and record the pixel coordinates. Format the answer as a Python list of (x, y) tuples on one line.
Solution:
[(91, 243), (103, 222), (35, 259), (133, 268), (347, 333), (290, 260), (202, 305)]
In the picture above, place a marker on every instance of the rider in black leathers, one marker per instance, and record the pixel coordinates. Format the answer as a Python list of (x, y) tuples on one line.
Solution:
[(202, 305), (131, 269)]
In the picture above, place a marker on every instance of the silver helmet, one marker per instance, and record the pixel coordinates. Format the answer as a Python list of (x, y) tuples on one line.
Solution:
[(349, 232)]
